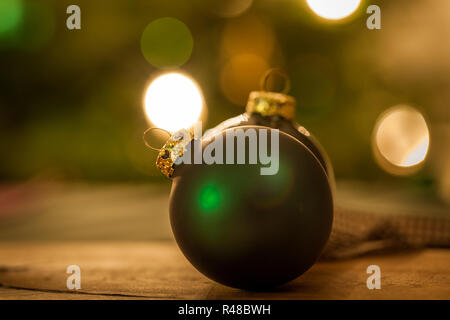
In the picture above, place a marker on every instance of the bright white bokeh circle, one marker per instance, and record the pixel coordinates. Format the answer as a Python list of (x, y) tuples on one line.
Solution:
[(173, 101), (333, 9), (401, 137)]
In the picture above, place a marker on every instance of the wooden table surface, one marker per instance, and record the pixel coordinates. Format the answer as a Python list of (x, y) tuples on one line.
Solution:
[(157, 270)]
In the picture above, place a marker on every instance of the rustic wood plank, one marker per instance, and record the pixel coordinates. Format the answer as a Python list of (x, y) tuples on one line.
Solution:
[(157, 270), (26, 294)]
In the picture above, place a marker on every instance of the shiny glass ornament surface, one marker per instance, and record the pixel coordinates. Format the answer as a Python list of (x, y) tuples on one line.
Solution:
[(247, 230)]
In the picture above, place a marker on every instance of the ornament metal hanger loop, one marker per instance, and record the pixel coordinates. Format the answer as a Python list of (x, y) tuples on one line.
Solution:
[(275, 72), (148, 131)]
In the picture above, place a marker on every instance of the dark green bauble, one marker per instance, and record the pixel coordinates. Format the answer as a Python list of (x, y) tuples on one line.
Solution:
[(252, 231)]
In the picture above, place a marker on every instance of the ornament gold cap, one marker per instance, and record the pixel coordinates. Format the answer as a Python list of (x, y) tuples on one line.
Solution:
[(271, 104), (268, 103), (172, 150)]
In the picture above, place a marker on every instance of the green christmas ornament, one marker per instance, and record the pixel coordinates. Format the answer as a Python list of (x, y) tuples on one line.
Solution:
[(246, 219)]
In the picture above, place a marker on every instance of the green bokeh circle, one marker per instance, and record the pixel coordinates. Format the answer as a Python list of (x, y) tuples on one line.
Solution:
[(167, 43), (11, 12)]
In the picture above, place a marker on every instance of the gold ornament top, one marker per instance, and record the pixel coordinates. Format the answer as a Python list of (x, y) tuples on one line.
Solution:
[(271, 104), (172, 150)]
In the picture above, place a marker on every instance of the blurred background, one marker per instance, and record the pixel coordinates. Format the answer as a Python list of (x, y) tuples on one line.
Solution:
[(74, 103)]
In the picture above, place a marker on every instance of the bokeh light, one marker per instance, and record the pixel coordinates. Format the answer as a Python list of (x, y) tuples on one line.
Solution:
[(28, 26), (333, 9), (241, 75), (210, 197), (247, 47), (401, 139), (11, 12), (173, 101), (229, 8), (167, 43), (248, 34)]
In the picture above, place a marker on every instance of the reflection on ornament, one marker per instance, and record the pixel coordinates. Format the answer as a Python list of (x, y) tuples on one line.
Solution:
[(209, 197)]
